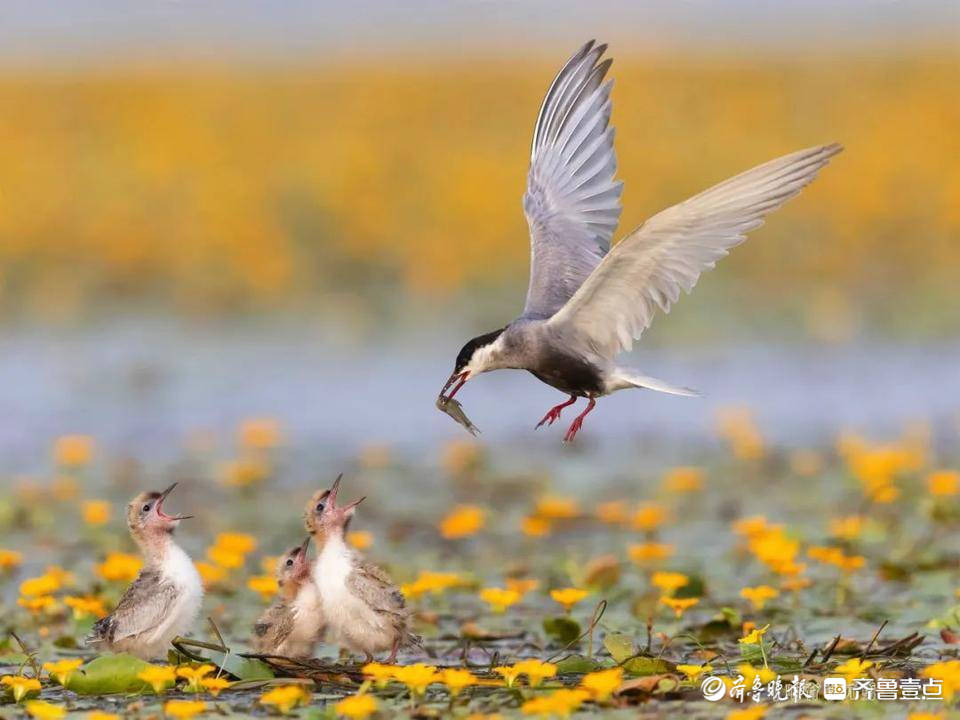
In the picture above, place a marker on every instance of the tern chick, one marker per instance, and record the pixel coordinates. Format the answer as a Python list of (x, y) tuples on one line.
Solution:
[(293, 624), (585, 302), (364, 611), (164, 600)]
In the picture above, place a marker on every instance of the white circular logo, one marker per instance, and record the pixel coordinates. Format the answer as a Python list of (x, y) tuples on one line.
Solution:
[(713, 688)]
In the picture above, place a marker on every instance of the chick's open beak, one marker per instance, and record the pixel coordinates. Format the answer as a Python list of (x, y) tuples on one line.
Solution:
[(161, 513)]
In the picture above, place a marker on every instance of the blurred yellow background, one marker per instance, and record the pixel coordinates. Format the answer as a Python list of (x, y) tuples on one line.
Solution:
[(211, 188)]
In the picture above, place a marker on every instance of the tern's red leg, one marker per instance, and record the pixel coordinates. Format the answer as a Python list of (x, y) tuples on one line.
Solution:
[(553, 414), (578, 422), (393, 652)]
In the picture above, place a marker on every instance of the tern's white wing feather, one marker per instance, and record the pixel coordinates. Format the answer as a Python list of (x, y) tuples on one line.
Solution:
[(572, 203), (667, 254)]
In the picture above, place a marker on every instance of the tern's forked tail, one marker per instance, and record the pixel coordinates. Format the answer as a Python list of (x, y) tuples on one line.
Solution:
[(623, 378)]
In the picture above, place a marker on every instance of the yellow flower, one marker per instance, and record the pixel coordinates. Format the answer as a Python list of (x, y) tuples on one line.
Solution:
[(64, 577), (41, 585), (602, 683), (568, 597), (193, 676), (755, 636), (10, 559), (433, 582), (464, 520), (210, 574), (214, 685), (44, 710), (184, 708), (357, 706), (924, 716), (669, 582), (456, 680), (560, 703), (416, 677), (846, 528), (522, 585), (20, 686), (648, 517), (694, 671), (649, 553), (85, 606), (754, 713), (613, 513), (239, 543), (380, 674), (509, 673), (499, 599), (678, 605), (553, 507), (37, 605), (360, 539), (100, 715), (159, 677), (62, 670), (260, 434), (227, 559), (749, 672), (266, 585), (683, 479), (534, 526), (948, 672), (853, 668), (944, 482), (759, 595), (285, 697), (752, 526), (73, 450), (535, 670), (119, 567), (244, 472), (96, 512)]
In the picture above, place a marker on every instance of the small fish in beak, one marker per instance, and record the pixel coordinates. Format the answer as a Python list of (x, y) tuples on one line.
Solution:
[(454, 409)]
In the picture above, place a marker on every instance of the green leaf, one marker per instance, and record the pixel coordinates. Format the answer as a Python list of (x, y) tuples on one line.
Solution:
[(240, 668), (648, 666), (109, 674), (562, 628), (577, 664), (619, 646)]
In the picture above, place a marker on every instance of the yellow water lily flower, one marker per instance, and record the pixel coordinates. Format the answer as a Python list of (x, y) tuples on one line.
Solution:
[(41, 585), (20, 686), (266, 585), (73, 451), (602, 683), (285, 697), (755, 636), (62, 670), (463, 521), (750, 672), (184, 708), (416, 677), (948, 672), (509, 673), (379, 673), (536, 670), (357, 707), (853, 668), (649, 553), (759, 595), (159, 677), (522, 585), (559, 703), (456, 680), (84, 607), (360, 539), (694, 671), (119, 567), (668, 582), (9, 559), (236, 542), (44, 711), (210, 574), (568, 597), (683, 479), (193, 675), (214, 685), (648, 517), (679, 605), (100, 715), (499, 599), (753, 713)]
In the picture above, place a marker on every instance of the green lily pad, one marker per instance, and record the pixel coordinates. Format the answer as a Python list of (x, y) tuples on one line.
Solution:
[(577, 664), (619, 646), (562, 628), (648, 666), (109, 674)]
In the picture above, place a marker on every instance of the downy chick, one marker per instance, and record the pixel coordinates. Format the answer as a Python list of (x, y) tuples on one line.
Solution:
[(292, 625), (164, 600), (364, 611)]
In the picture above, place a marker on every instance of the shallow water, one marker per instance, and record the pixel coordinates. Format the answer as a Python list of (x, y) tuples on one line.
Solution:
[(141, 387)]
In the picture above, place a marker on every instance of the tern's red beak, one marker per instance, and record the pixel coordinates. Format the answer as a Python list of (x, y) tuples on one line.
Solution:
[(457, 377)]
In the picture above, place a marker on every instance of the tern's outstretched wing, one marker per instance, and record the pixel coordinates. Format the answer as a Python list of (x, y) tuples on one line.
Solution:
[(142, 608), (667, 254), (572, 203)]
